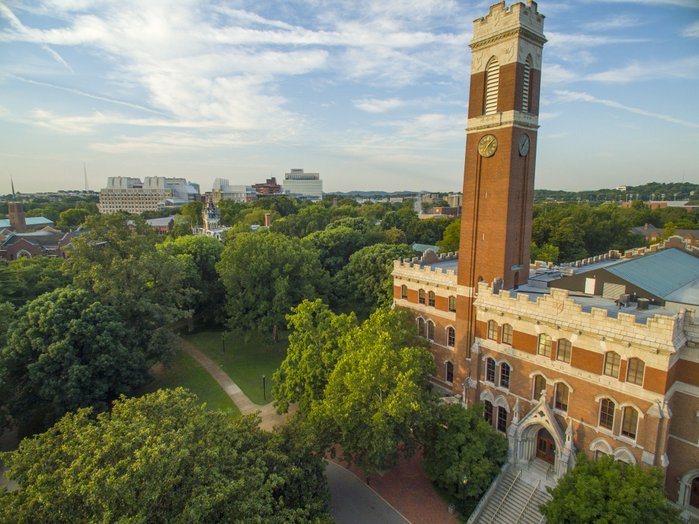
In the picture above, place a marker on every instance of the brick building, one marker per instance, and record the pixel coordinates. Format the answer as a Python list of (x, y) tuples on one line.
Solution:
[(599, 357)]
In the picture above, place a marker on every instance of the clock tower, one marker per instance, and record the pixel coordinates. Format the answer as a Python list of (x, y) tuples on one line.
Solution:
[(502, 126)]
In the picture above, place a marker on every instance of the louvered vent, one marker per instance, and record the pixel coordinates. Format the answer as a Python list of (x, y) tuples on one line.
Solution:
[(525, 84), (492, 79)]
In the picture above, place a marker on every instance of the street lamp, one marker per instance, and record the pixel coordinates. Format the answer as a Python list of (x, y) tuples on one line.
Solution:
[(264, 387)]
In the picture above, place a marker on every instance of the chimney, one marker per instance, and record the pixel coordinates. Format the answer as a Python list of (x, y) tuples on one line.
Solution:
[(268, 219), (15, 212)]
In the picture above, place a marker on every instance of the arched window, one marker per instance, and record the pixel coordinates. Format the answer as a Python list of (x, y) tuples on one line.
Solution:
[(606, 413), (629, 422), (421, 326), (488, 411), (421, 296), (526, 82), (561, 397), (492, 330), (545, 344), (612, 361), (451, 337), (504, 375), (564, 350), (430, 330), (492, 79), (507, 334), (502, 419), (490, 370), (539, 386), (404, 292), (449, 372), (635, 371), (452, 303), (430, 298)]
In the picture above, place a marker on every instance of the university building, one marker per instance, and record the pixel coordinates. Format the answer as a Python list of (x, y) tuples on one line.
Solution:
[(600, 356)]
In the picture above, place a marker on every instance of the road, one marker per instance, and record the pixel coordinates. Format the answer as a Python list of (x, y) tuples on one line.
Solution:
[(353, 502)]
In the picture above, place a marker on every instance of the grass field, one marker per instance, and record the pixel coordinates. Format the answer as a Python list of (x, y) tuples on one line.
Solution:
[(187, 373), (244, 360)]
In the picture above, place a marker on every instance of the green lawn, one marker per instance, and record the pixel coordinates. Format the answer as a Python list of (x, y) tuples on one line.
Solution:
[(186, 372), (245, 361)]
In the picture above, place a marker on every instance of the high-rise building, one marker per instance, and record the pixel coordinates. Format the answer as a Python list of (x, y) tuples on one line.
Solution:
[(600, 356), (300, 184), (223, 190), (154, 193)]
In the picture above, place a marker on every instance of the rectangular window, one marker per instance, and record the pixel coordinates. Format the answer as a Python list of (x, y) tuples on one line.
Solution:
[(492, 330), (564, 350), (502, 419), (490, 370), (507, 334), (421, 296), (561, 401), (452, 303), (545, 344), (488, 412), (504, 375), (606, 414), (430, 299), (612, 361), (630, 423), (635, 373), (404, 292)]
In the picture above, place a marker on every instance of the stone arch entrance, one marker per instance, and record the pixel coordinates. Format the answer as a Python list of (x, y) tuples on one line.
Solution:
[(545, 446), (689, 491)]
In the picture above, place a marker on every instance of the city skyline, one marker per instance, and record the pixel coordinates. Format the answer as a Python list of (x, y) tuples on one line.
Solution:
[(371, 97)]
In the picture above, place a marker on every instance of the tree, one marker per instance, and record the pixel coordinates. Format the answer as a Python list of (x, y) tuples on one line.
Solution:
[(450, 238), (462, 452), (365, 282), (314, 349), (606, 490), (192, 213), (164, 458), (25, 279), (546, 253), (335, 245), (376, 401), (71, 218), (65, 351), (265, 274)]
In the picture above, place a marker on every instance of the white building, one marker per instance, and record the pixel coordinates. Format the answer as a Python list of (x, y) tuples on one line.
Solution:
[(303, 185), (154, 193), (223, 190)]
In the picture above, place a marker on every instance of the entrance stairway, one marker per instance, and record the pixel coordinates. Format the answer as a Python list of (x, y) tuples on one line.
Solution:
[(514, 501)]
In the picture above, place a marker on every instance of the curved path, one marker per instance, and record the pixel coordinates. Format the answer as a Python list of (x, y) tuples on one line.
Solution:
[(351, 499)]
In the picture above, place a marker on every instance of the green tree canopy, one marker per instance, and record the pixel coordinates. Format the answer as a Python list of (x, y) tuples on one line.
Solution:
[(366, 282), (314, 349), (25, 279), (164, 458), (463, 453), (450, 238), (71, 218), (66, 350), (376, 401), (265, 274), (609, 491), (335, 245)]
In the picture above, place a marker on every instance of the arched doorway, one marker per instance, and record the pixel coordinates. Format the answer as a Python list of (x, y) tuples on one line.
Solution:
[(545, 446), (694, 494)]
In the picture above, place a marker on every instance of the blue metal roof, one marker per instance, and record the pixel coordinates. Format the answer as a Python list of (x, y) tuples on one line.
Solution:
[(659, 273), (30, 221)]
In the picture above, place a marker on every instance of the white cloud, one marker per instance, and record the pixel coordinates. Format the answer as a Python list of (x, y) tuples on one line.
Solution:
[(374, 105), (614, 22), (679, 3), (576, 96), (681, 68), (692, 30)]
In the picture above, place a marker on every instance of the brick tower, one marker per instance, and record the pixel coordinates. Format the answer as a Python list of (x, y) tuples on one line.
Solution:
[(500, 155)]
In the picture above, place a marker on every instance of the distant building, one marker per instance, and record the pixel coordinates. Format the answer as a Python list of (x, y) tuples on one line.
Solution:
[(300, 184), (454, 199), (654, 234), (223, 190), (162, 225), (154, 193), (46, 242), (267, 189), (17, 221)]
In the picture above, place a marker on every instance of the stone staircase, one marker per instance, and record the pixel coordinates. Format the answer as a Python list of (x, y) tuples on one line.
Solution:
[(514, 501)]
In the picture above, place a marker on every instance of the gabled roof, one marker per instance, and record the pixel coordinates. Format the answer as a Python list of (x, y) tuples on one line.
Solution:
[(661, 273)]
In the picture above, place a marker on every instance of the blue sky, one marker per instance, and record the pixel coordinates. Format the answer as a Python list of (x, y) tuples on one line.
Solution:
[(373, 95)]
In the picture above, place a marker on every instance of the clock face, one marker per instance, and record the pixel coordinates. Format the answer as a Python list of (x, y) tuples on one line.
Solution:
[(524, 144), (487, 145)]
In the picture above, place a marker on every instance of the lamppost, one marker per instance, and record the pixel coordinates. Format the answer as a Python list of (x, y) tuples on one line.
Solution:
[(223, 342), (264, 387)]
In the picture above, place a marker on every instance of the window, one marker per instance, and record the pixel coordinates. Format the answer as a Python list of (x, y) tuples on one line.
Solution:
[(492, 79), (611, 364), (488, 411), (629, 422), (561, 397), (421, 296), (430, 298), (539, 386), (507, 334), (505, 375), (449, 372), (404, 291), (564, 350), (430, 330), (502, 419), (492, 330), (635, 372), (421, 326), (452, 303), (451, 337), (526, 81), (490, 370), (606, 413), (545, 344)]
